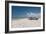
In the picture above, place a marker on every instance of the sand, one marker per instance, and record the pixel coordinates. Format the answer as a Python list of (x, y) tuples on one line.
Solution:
[(22, 23)]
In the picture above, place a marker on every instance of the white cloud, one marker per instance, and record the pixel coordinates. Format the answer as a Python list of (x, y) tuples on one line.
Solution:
[(33, 14)]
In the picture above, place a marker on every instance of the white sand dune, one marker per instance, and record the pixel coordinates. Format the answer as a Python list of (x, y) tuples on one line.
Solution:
[(22, 23)]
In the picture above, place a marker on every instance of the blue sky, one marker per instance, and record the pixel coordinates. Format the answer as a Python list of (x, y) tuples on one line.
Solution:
[(21, 11)]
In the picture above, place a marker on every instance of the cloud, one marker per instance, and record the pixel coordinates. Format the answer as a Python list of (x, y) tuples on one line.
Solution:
[(33, 14)]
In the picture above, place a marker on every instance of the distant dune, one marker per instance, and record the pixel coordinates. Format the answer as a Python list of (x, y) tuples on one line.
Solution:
[(22, 23)]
